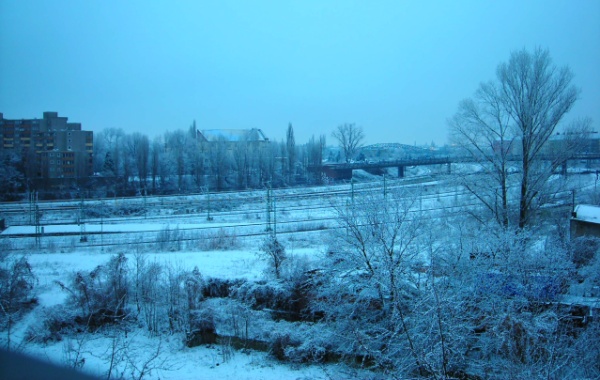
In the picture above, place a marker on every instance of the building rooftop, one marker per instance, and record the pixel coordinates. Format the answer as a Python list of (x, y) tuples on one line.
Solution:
[(587, 213)]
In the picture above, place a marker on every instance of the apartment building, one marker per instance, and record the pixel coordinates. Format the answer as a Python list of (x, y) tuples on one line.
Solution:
[(50, 147)]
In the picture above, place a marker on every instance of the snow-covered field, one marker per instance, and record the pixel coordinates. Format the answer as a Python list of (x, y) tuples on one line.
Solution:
[(175, 360), (301, 218), (52, 264)]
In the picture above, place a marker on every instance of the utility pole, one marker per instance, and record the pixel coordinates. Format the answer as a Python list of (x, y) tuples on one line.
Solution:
[(102, 226), (208, 217), (83, 237), (352, 190), (33, 198), (38, 228), (145, 203), (269, 205), (384, 187)]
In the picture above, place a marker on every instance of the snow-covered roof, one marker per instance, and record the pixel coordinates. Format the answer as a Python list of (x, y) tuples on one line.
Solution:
[(234, 135), (587, 213)]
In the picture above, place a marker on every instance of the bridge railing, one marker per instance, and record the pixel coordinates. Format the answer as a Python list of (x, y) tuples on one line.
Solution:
[(433, 160)]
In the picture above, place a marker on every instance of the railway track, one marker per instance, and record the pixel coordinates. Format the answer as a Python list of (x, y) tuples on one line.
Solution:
[(297, 211)]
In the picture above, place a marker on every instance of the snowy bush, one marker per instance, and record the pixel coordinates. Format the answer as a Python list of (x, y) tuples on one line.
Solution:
[(202, 328), (219, 288), (17, 283), (315, 344), (169, 239), (261, 295), (54, 323), (288, 301), (281, 345), (584, 249), (222, 240), (274, 253), (100, 295)]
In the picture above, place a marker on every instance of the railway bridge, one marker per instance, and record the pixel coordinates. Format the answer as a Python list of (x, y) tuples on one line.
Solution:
[(344, 170)]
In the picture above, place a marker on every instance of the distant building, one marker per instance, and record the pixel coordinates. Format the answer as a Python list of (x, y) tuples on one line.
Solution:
[(49, 148), (232, 136), (585, 221)]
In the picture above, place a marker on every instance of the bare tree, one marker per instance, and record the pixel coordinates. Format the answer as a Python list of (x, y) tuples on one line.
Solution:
[(313, 156), (350, 138), (176, 144), (290, 144), (12, 179), (515, 116), (156, 155), (138, 147), (220, 162), (274, 252), (370, 291), (17, 283), (481, 128), (241, 160)]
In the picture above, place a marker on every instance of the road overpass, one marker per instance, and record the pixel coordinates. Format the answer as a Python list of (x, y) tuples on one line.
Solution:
[(344, 170)]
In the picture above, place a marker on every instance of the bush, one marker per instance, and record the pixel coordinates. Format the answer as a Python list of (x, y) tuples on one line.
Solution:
[(17, 282), (169, 239), (289, 302), (101, 295), (219, 288), (264, 295), (584, 249), (56, 322), (281, 345), (222, 240), (274, 252), (202, 329), (309, 351)]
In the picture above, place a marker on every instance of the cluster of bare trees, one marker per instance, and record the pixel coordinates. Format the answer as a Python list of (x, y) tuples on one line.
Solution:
[(471, 294), (509, 125), (179, 162), (447, 296)]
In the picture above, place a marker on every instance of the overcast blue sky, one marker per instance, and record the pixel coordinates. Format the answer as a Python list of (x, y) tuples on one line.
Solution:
[(396, 68)]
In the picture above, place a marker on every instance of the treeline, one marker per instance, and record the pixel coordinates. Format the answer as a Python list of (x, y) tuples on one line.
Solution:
[(179, 162)]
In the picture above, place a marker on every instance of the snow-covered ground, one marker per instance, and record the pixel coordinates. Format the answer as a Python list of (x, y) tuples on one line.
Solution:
[(301, 215), (176, 360)]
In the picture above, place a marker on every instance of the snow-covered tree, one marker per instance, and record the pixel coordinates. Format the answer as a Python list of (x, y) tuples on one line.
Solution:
[(514, 118)]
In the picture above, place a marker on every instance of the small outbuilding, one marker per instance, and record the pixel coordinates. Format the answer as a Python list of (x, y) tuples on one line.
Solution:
[(585, 221)]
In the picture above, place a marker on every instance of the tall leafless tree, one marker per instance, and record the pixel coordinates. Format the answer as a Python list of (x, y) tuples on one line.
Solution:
[(481, 128), (517, 115), (349, 137), (138, 147), (291, 153)]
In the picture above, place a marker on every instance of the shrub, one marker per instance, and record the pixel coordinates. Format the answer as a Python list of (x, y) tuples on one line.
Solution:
[(274, 252), (584, 249), (282, 344), (101, 295), (222, 240), (169, 239), (56, 322), (219, 288), (309, 351), (202, 329), (17, 282)]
